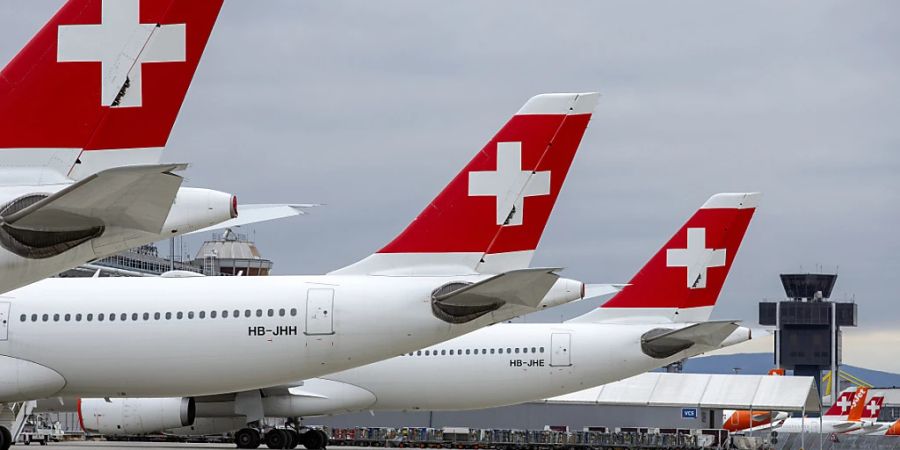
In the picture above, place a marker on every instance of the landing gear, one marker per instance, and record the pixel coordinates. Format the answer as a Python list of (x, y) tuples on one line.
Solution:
[(314, 439), (295, 438), (244, 438), (278, 438), (5, 438)]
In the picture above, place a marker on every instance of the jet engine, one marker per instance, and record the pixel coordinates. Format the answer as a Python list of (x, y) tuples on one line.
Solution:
[(119, 416), (196, 208)]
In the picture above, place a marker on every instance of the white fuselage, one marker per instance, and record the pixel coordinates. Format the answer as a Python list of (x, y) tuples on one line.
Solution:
[(811, 425), (507, 364), (171, 337)]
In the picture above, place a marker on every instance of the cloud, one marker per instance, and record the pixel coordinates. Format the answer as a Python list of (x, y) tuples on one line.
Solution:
[(372, 108)]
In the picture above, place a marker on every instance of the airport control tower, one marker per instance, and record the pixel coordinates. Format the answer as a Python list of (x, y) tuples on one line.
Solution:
[(808, 326)]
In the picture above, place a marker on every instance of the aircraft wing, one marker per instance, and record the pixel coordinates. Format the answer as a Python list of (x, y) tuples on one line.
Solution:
[(662, 343), (526, 287), (130, 197), (841, 427), (256, 213)]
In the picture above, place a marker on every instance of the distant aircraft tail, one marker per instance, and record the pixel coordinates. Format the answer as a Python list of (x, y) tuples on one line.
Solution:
[(681, 283), (857, 406), (872, 408), (100, 86), (490, 218), (841, 406)]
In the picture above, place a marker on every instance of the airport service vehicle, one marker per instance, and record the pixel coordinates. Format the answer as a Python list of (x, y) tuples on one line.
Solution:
[(86, 108), (460, 265), (504, 364)]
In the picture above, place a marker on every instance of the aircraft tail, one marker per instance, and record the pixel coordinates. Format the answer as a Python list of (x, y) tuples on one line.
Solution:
[(857, 406), (682, 281), (491, 216), (100, 86), (872, 408), (841, 406)]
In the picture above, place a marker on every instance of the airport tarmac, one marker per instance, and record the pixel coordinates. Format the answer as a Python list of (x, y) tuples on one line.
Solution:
[(107, 445)]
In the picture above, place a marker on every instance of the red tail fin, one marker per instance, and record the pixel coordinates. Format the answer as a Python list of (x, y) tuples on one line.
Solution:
[(102, 75), (872, 408), (682, 281), (491, 216), (841, 406)]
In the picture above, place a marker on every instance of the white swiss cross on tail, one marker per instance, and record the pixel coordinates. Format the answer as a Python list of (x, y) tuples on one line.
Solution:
[(121, 44), (510, 184), (844, 403), (873, 408), (696, 258)]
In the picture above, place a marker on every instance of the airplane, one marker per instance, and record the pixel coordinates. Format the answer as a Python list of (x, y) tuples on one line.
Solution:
[(462, 264), (86, 108), (503, 364), (844, 416)]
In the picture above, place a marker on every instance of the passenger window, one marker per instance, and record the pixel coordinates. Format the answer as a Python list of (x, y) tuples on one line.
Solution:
[(100, 317), (451, 352), (146, 316), (179, 315), (90, 317), (508, 350), (533, 350), (484, 351), (224, 313), (258, 313), (418, 352), (524, 349), (156, 316), (34, 317), (45, 317), (67, 317), (427, 352), (517, 350), (123, 317), (77, 317), (190, 314), (467, 351), (134, 316), (212, 314), (112, 317), (542, 349), (247, 313), (281, 313), (202, 314), (168, 316), (293, 312), (443, 352), (270, 312), (237, 313), (22, 318), (56, 317), (492, 351)]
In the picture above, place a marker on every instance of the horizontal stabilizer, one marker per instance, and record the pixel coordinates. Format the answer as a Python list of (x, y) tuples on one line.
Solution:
[(131, 197), (663, 343), (256, 213), (601, 290), (526, 287), (846, 426)]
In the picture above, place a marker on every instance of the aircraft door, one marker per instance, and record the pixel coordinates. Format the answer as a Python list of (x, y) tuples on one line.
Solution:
[(319, 311), (560, 349), (4, 320)]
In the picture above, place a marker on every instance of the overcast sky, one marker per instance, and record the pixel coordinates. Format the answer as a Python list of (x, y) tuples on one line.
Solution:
[(371, 107)]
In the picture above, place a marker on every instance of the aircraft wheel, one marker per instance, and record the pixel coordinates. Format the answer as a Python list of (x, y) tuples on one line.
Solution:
[(5, 438), (277, 439), (244, 438), (295, 438), (324, 438), (314, 439)]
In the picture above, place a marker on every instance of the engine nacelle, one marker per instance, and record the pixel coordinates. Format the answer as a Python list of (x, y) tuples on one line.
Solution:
[(196, 208), (122, 416)]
